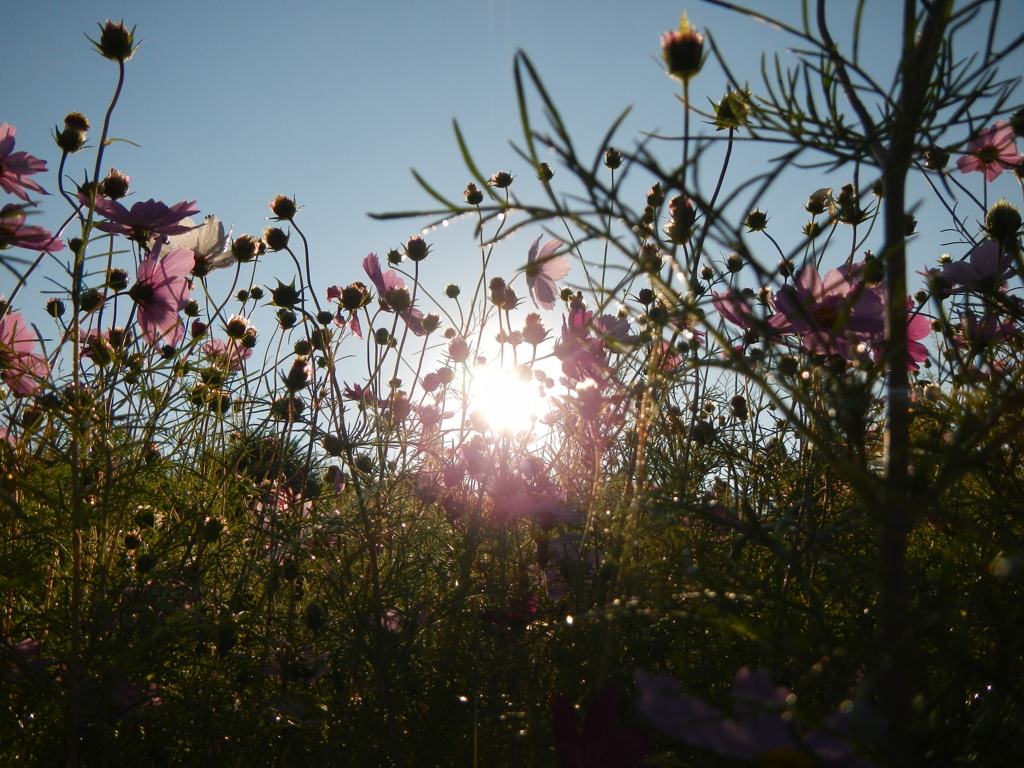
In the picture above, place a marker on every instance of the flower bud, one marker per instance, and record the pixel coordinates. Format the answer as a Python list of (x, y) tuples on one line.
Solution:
[(936, 158), (738, 405), (819, 201), (91, 300), (534, 332), (286, 318), (458, 350), (72, 138), (320, 338), (250, 338), (645, 296), (382, 336), (236, 326), (655, 196), (192, 308), (707, 273), (117, 279), (116, 42), (612, 158), (732, 111), (245, 248), (297, 377), (355, 296), (909, 224), (283, 208), (565, 294), (811, 230), (275, 238), (431, 322), (416, 249), (473, 194), (501, 180), (683, 51), (55, 307), (1017, 123), (452, 291), (545, 172), (303, 348), (497, 290), (394, 257), (242, 296), (786, 268), (199, 329), (256, 293), (115, 185), (1002, 223), (285, 295), (734, 262), (324, 317)]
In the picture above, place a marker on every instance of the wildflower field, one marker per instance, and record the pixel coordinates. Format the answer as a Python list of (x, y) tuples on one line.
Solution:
[(681, 488)]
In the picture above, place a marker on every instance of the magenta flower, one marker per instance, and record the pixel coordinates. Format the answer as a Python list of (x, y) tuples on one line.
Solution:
[(15, 166), (21, 367), (828, 313), (984, 269), (992, 152), (394, 294), (600, 744), (759, 728), (978, 333), (145, 221), (543, 268), (14, 233), (733, 306), (160, 292), (227, 354), (583, 355)]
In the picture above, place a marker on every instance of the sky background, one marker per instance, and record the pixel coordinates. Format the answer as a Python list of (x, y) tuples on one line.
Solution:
[(232, 103)]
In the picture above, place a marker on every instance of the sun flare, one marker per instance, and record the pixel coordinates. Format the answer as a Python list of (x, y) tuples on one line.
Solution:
[(509, 403)]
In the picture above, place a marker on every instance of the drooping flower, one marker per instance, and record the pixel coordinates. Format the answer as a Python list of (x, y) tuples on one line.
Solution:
[(14, 233), (759, 728), (21, 367), (16, 166), (543, 268), (161, 292), (394, 294), (992, 152), (985, 269), (210, 245), (828, 313), (599, 744), (146, 220)]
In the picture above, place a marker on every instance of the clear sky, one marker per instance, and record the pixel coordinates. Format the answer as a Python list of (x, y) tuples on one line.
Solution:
[(333, 103)]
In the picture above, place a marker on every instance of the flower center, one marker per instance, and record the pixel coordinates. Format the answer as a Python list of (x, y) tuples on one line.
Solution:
[(826, 316)]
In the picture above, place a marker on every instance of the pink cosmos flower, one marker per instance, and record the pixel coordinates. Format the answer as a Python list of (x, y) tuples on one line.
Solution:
[(15, 166), (978, 333), (992, 152), (228, 354), (13, 232), (21, 367), (583, 355), (985, 269), (755, 729), (160, 292), (733, 306), (145, 221), (543, 268), (394, 294), (828, 313)]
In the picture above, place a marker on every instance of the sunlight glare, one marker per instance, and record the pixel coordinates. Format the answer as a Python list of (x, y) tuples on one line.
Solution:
[(509, 403)]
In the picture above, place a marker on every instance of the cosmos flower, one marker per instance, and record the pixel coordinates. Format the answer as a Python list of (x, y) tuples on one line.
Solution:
[(733, 306), (985, 269), (992, 152), (229, 353), (394, 294), (828, 313), (145, 221), (210, 245), (160, 292), (15, 166), (14, 233), (757, 729), (21, 367), (543, 268)]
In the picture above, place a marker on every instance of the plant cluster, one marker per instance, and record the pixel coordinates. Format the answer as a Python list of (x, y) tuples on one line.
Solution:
[(749, 498)]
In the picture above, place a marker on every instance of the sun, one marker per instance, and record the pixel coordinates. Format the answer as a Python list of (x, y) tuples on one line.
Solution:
[(509, 402)]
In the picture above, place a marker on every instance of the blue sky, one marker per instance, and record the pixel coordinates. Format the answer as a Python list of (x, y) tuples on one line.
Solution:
[(334, 102)]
